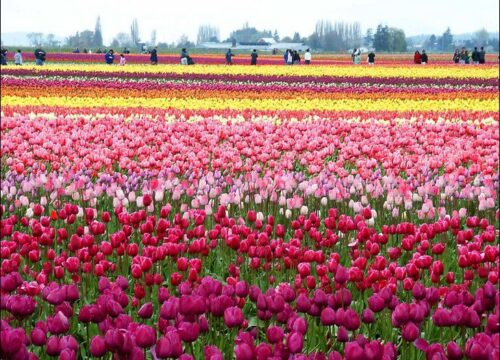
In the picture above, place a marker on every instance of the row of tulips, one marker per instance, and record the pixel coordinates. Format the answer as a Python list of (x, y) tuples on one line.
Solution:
[(352, 217), (463, 74)]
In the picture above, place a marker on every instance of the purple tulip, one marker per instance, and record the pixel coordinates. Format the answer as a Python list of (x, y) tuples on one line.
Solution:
[(303, 304), (243, 351), (351, 320), (353, 351), (67, 354), (85, 314), (145, 336), (241, 289), (212, 352), (410, 332), (21, 306), (68, 342), (233, 317), (341, 275), (71, 293), (295, 342), (274, 334), (169, 345), (376, 303), (263, 351), (98, 346), (58, 324), (189, 331), (146, 310), (327, 316), (12, 340), (368, 317), (169, 309), (38, 336), (192, 305), (53, 348), (342, 334), (454, 351)]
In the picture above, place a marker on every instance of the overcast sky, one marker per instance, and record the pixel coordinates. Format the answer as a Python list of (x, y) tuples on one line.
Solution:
[(171, 19)]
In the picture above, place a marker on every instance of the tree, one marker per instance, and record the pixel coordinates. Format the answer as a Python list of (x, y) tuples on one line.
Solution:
[(287, 39), (121, 40), (153, 37), (381, 38), (397, 40), (81, 39), (368, 39), (50, 40), (445, 41), (207, 33), (184, 42), (430, 43), (134, 32), (481, 37), (389, 39), (97, 33), (314, 41), (276, 36), (35, 38), (249, 34), (296, 37)]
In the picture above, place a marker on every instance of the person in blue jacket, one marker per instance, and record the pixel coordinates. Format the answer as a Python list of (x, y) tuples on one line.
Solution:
[(154, 56), (229, 56), (109, 57)]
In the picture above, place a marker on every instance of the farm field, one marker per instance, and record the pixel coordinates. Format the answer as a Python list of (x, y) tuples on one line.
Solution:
[(329, 211)]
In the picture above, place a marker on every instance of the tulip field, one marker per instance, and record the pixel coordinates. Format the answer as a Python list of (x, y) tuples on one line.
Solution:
[(217, 212)]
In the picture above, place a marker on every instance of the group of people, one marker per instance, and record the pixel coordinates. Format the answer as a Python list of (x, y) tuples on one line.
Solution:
[(290, 57), (356, 57), (464, 57), (109, 57), (420, 58), (18, 57)]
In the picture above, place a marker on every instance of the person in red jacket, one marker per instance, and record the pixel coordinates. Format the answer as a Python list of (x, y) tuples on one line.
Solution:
[(417, 58)]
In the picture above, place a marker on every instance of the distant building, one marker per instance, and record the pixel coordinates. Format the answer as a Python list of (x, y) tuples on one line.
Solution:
[(262, 44)]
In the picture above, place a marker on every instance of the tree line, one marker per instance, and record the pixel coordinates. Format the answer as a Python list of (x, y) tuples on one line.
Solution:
[(327, 36)]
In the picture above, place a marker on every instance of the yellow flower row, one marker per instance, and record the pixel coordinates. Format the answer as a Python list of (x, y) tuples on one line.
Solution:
[(410, 71), (261, 104)]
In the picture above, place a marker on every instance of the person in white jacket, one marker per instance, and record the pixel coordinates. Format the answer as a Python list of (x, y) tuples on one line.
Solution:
[(18, 58), (307, 57)]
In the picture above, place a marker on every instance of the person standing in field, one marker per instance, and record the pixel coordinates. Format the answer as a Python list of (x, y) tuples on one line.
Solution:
[(371, 58), (307, 57), (254, 57), (229, 57), (417, 58), (356, 56), (123, 61), (482, 56), (456, 56), (154, 56), (184, 57), (463, 56), (467, 57), (475, 56), (424, 57), (18, 57), (3, 55), (109, 57), (40, 56)]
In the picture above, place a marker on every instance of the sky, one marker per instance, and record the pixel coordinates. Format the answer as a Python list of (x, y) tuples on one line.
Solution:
[(171, 19)]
